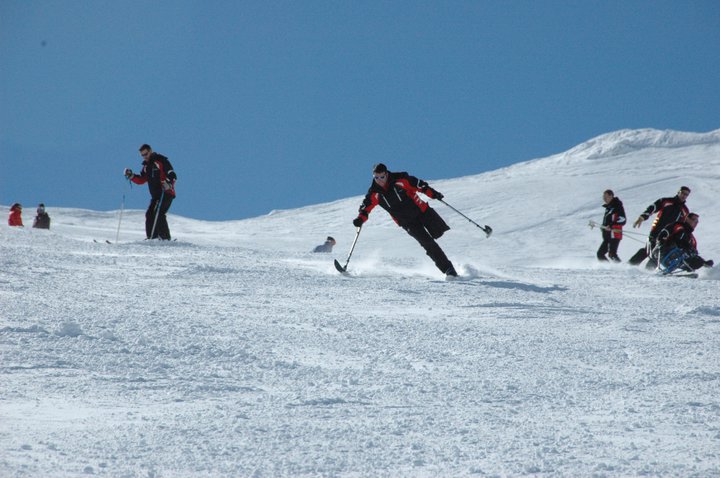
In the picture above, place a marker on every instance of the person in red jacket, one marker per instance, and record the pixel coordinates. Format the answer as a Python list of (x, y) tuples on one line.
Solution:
[(677, 241), (397, 193), (160, 177), (15, 217)]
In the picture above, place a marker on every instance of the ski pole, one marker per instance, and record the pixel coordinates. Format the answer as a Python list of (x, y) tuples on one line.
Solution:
[(593, 224), (487, 229), (157, 213), (352, 248), (122, 208)]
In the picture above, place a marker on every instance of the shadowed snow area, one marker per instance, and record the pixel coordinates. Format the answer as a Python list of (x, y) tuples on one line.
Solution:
[(234, 351)]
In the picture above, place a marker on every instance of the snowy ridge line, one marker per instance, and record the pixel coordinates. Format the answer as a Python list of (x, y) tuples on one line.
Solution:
[(627, 140)]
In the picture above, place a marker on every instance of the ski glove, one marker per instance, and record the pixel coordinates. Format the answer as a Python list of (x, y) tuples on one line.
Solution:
[(710, 263), (437, 195), (128, 173), (166, 185), (358, 222)]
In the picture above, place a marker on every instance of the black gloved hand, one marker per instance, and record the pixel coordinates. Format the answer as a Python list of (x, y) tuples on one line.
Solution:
[(710, 263), (437, 195), (358, 222), (128, 173)]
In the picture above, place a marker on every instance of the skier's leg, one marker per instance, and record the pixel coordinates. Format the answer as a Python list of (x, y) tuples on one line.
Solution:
[(150, 218), (639, 256), (432, 249), (603, 249), (162, 225), (613, 248)]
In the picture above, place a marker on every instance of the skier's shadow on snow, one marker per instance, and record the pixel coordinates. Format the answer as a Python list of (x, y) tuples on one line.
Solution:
[(506, 284)]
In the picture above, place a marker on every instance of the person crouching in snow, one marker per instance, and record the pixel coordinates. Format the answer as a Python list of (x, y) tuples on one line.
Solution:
[(397, 193), (613, 222), (677, 240), (42, 220), (15, 217), (327, 246)]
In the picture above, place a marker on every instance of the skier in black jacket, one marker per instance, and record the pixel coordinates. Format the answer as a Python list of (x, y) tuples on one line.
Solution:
[(160, 177), (613, 222), (42, 220), (397, 193), (680, 235), (669, 210)]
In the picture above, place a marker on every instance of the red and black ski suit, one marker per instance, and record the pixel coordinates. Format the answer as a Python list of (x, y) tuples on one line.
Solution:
[(613, 222), (400, 199), (160, 177), (680, 235), (669, 210)]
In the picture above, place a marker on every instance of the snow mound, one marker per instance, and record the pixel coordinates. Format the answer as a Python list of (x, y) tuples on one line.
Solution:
[(626, 141)]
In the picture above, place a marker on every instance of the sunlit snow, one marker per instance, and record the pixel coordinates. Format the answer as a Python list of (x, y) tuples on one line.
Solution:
[(234, 351)]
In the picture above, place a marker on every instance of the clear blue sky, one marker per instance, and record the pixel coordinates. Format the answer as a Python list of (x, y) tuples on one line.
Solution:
[(264, 105)]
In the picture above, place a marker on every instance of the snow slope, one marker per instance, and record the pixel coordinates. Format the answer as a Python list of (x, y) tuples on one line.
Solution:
[(235, 352)]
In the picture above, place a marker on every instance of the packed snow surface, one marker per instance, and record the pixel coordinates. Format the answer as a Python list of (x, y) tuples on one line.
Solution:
[(234, 351)]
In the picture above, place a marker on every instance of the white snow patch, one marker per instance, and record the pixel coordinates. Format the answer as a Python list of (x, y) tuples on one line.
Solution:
[(236, 352)]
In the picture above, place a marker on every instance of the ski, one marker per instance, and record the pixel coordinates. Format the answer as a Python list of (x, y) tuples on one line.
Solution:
[(689, 275), (340, 268)]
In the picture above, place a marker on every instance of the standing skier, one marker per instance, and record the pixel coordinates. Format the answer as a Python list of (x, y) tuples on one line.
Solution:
[(613, 222), (397, 193), (160, 177), (669, 210)]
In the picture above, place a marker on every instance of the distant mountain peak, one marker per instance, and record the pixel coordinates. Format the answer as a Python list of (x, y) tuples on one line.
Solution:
[(628, 140)]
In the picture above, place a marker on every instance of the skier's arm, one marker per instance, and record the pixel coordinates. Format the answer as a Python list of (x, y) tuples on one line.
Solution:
[(651, 209), (412, 183), (368, 204), (619, 218), (136, 178), (169, 171)]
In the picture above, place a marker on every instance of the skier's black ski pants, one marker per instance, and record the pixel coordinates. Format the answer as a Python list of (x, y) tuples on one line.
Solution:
[(418, 231), (162, 230), (610, 244), (643, 254)]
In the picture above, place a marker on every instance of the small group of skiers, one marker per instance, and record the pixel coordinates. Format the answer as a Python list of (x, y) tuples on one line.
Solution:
[(41, 220), (671, 244), (671, 236)]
